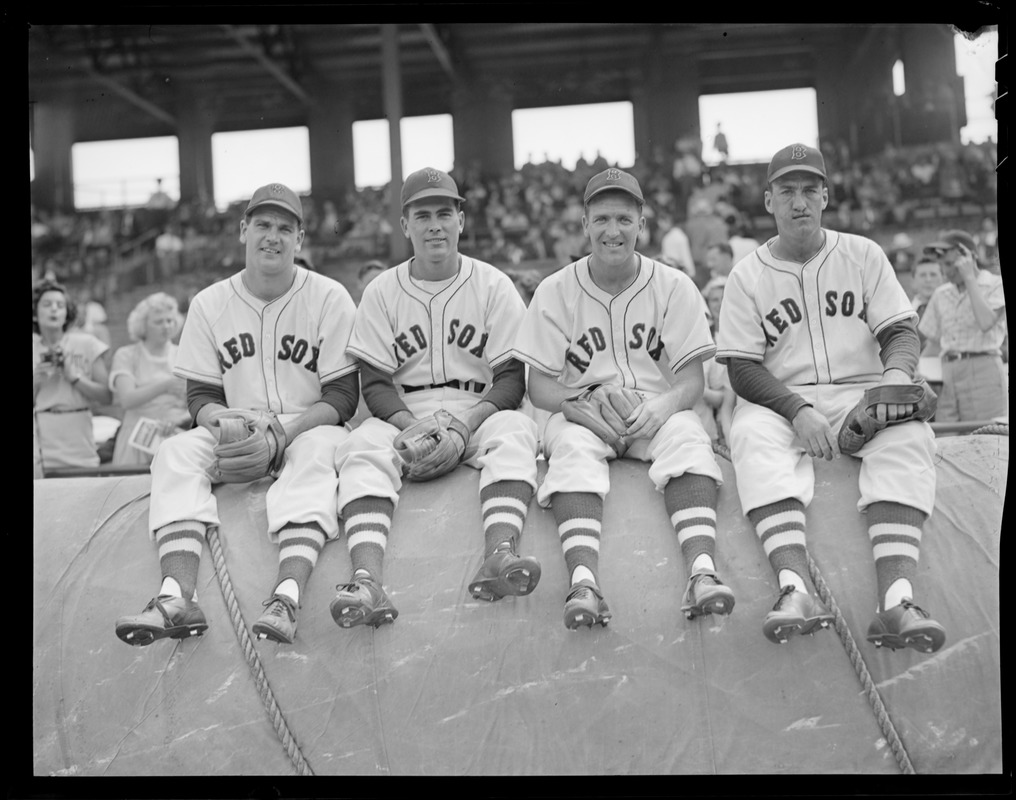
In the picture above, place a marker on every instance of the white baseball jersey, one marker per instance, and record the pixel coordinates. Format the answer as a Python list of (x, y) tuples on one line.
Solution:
[(812, 323), (581, 335), (269, 355), (461, 332)]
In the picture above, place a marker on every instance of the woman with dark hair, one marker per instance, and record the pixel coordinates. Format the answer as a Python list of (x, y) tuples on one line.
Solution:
[(142, 377), (69, 377)]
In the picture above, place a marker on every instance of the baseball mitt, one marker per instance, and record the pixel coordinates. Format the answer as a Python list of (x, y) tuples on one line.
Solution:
[(603, 409), (433, 446), (251, 445), (860, 426)]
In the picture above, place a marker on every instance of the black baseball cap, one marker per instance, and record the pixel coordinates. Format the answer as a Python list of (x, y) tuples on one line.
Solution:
[(797, 158), (613, 179), (278, 195), (429, 182)]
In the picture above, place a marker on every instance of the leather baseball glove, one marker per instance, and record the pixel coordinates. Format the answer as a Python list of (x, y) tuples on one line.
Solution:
[(860, 426), (251, 445), (433, 446), (603, 409)]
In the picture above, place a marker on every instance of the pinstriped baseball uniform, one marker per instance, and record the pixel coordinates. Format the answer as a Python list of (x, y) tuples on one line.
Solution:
[(440, 342), (581, 335), (269, 356), (813, 326)]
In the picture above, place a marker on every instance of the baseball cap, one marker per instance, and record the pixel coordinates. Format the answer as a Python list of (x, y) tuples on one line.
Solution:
[(611, 179), (275, 194), (949, 239), (429, 182), (796, 158)]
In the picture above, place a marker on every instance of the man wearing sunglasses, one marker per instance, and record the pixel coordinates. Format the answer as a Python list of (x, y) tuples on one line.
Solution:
[(965, 323)]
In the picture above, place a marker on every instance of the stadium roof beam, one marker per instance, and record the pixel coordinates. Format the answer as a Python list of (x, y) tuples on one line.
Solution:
[(440, 51), (270, 66), (125, 92)]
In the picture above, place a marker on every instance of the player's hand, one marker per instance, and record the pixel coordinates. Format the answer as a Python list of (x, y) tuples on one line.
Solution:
[(817, 437), (646, 420), (890, 412)]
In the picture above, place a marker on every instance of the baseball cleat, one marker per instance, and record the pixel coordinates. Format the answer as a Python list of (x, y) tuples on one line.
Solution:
[(906, 625), (278, 623), (584, 606), (706, 594), (362, 602), (795, 613), (164, 617), (504, 573)]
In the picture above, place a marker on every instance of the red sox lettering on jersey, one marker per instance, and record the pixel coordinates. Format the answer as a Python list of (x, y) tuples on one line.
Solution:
[(814, 322), (270, 356), (641, 336), (425, 334)]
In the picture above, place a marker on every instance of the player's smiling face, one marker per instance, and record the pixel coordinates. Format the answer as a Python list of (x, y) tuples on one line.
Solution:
[(433, 225), (272, 238), (796, 201), (613, 222)]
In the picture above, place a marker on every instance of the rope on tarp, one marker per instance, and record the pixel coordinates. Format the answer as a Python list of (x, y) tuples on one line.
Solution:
[(870, 690), (253, 661), (874, 698), (1001, 429)]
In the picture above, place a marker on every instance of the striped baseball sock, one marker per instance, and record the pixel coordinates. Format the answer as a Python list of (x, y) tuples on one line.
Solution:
[(368, 522), (179, 545), (895, 533), (691, 503), (780, 528), (504, 505), (300, 544), (579, 516)]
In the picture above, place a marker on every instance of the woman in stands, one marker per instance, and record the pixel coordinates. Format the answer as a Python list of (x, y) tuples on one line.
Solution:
[(70, 377), (143, 383)]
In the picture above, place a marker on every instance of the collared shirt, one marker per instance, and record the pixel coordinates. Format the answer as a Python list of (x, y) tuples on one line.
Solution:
[(950, 318)]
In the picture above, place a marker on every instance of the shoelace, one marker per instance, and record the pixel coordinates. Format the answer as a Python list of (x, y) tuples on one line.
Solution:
[(277, 605), (910, 604), (785, 592), (353, 588)]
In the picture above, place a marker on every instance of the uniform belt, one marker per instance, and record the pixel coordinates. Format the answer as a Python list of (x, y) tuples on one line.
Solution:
[(61, 410), (469, 386), (958, 356)]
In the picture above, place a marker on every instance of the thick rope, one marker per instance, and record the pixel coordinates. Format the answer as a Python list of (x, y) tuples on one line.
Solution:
[(1002, 429), (253, 661), (874, 698), (871, 691)]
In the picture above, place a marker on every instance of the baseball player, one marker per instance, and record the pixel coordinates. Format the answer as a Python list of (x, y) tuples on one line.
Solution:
[(271, 338), (811, 320), (433, 336), (617, 323)]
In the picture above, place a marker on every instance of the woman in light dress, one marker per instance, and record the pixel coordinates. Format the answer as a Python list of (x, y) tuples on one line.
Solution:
[(70, 378), (142, 377)]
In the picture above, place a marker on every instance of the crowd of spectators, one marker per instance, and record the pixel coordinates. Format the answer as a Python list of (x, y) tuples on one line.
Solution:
[(534, 213)]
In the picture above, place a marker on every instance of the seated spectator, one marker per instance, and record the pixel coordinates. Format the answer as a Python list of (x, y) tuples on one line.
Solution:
[(965, 323), (142, 379), (572, 244), (69, 377), (704, 229), (674, 247), (92, 317), (168, 250), (719, 261), (741, 240), (368, 272)]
